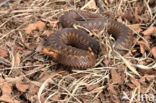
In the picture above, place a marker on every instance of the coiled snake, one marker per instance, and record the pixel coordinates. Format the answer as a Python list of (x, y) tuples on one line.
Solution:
[(75, 48)]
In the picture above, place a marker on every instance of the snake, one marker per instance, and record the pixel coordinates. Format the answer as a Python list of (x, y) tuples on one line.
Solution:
[(75, 47)]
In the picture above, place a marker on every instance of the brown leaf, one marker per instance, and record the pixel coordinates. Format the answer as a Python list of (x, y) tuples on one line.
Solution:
[(153, 52), (22, 87), (91, 87), (8, 99), (142, 49), (142, 62), (143, 46), (106, 2), (40, 25), (150, 78), (136, 28), (3, 52), (131, 85), (147, 71), (116, 78), (33, 90), (106, 62), (101, 96), (34, 26), (111, 1), (111, 89), (150, 31), (55, 97), (33, 98), (1, 34), (30, 28), (91, 5), (136, 12), (121, 68), (143, 90), (6, 88), (142, 80), (17, 59), (147, 37), (134, 81)]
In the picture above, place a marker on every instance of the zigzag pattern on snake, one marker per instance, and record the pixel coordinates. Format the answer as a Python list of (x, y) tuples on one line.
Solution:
[(75, 48)]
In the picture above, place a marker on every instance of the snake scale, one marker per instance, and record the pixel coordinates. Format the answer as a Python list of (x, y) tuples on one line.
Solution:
[(75, 48)]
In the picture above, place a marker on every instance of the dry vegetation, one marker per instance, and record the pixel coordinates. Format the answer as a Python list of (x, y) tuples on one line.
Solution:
[(29, 76)]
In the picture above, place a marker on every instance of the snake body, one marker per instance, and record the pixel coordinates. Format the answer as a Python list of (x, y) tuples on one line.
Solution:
[(75, 48)]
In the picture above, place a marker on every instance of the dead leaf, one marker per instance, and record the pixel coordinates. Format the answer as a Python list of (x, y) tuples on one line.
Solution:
[(22, 87), (136, 16), (6, 89), (111, 89), (39, 25), (153, 52), (149, 60), (142, 80), (91, 87), (147, 37), (150, 31), (142, 62), (132, 86), (31, 46), (33, 90), (116, 78), (142, 49), (55, 97), (30, 28), (7, 99), (17, 59), (111, 1), (101, 96), (3, 52), (150, 78), (121, 68), (134, 81), (147, 71), (136, 12), (33, 98), (90, 5), (144, 46), (106, 2), (1, 34), (106, 62), (143, 90), (136, 28)]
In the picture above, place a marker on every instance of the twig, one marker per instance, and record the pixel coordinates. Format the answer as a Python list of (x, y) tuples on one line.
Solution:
[(22, 67), (4, 2)]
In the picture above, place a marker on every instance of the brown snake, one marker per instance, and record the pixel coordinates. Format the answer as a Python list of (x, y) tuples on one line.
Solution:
[(75, 48)]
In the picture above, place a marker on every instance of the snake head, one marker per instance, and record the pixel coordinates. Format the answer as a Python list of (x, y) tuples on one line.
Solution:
[(51, 52)]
